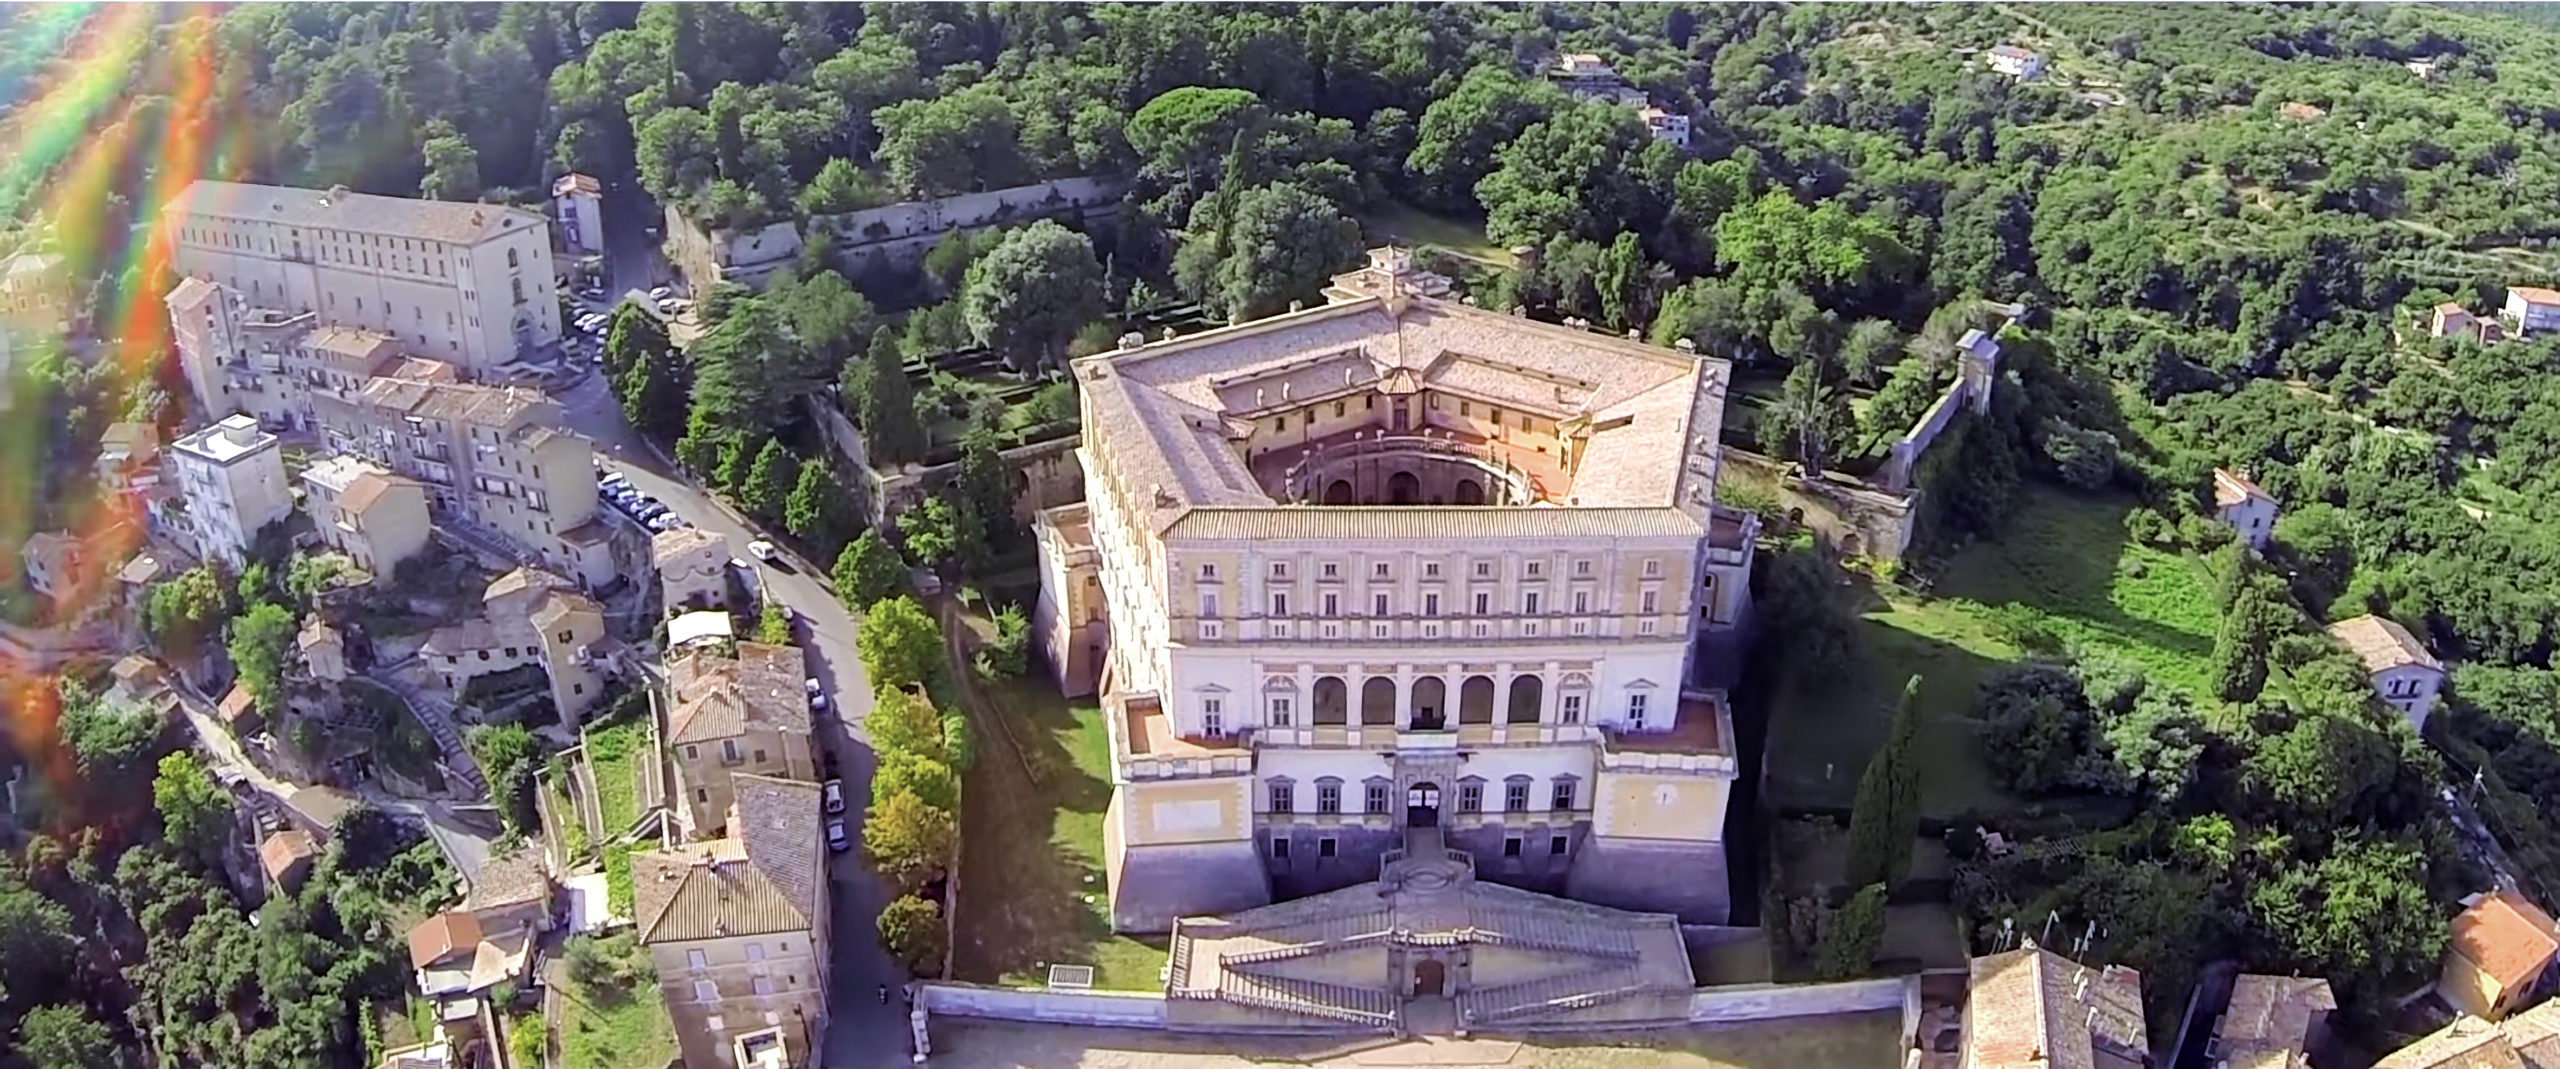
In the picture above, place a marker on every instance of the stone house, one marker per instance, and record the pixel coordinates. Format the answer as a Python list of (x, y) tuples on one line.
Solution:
[(2404, 674)]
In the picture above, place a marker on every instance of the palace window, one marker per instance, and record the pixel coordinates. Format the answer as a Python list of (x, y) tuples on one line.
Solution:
[(1563, 798), (1471, 796), (1515, 794), (1328, 796), (1284, 796)]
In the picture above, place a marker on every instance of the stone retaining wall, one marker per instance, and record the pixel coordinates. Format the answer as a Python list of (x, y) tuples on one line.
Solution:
[(1108, 1009), (1761, 1002)]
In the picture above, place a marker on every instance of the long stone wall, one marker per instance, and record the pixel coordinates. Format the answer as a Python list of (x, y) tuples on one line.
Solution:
[(1107, 1009), (932, 218), (1761, 1002)]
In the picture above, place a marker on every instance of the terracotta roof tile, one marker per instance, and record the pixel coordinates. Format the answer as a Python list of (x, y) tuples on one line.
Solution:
[(440, 936), (2507, 937), (2382, 644), (454, 222)]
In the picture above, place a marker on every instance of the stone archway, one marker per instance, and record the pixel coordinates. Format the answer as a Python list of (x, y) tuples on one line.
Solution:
[(1404, 488), (1475, 700), (1422, 805), (1430, 977), (1430, 704), (1469, 492), (1339, 493), (1378, 702), (1333, 701), (1528, 697)]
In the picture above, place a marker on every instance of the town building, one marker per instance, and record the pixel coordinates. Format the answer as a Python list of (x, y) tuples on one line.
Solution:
[(467, 283), (52, 560), (577, 201), (2404, 674), (1583, 70), (1068, 615), (286, 856), (2451, 320), (324, 651), (1424, 941), (2533, 309), (492, 458), (238, 711), (528, 617), (376, 518), (126, 450), (2271, 1022), (231, 478), (693, 568), (455, 956), (710, 256), (2016, 62), (737, 927), (268, 362), (1395, 562), (734, 709), (2033, 1007), (36, 293), (2249, 512), (2528, 1040), (2499, 954), (1665, 125)]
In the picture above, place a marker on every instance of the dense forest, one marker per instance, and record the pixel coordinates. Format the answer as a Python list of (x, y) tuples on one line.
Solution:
[(2224, 222)]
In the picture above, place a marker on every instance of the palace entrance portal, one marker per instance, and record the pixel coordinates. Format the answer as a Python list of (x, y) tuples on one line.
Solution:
[(1422, 806)]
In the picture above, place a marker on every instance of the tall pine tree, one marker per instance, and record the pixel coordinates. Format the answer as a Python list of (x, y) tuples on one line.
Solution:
[(1887, 813), (885, 404)]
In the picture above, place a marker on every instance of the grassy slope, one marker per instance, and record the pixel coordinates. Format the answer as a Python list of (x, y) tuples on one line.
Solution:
[(615, 753), (2064, 562), (1031, 848)]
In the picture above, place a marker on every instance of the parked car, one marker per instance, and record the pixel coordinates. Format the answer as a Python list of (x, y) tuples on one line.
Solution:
[(614, 479), (661, 293), (666, 521), (832, 793), (836, 838), (817, 703), (761, 550)]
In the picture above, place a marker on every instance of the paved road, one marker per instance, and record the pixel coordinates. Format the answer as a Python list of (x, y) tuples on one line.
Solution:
[(862, 1032)]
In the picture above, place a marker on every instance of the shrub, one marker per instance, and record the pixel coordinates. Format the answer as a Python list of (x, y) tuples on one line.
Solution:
[(1007, 654), (911, 931), (528, 1039)]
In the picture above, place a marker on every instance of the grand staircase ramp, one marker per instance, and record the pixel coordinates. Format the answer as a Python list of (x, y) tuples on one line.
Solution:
[(1553, 995)]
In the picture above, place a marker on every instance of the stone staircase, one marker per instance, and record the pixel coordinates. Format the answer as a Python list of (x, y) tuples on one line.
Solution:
[(1553, 994), (437, 717), (1548, 932), (1333, 1002)]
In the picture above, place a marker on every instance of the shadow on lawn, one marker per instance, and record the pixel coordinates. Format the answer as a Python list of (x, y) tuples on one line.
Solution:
[(1820, 736), (2064, 554), (1021, 888)]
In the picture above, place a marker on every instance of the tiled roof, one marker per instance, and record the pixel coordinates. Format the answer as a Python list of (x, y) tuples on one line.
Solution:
[(668, 546), (503, 407), (1355, 521), (236, 704), (428, 220), (576, 183), (316, 632), (1166, 417), (2535, 1033), (719, 696), (441, 935), (364, 491), (2031, 1007), (559, 605), (511, 879), (191, 293), (2231, 488), (278, 853), (364, 349), (2382, 644), (2273, 1014), (2467, 1043), (2536, 294), (763, 879), (134, 669), (519, 580), (470, 634), (2506, 937)]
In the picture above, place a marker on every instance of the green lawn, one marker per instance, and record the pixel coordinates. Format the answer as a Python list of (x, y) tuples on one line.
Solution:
[(1406, 224), (615, 1026), (1032, 890), (614, 754), (2064, 568), (564, 812)]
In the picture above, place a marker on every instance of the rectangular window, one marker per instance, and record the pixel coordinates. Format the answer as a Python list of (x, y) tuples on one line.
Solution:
[(1564, 795), (1328, 798), (1377, 605), (1635, 710), (1515, 796), (1650, 602), (1471, 798), (1431, 604), (1279, 603), (1280, 849), (1208, 604), (1280, 425), (1331, 570), (1582, 567), (1431, 570), (1376, 802), (1332, 604), (1213, 716), (1653, 567), (1572, 711), (706, 991), (1484, 569), (1581, 602), (1511, 846), (1280, 712), (1208, 573), (1279, 569), (693, 959), (1555, 844), (729, 750), (1324, 847), (1534, 569), (1484, 603), (1529, 603), (1284, 798), (1380, 570)]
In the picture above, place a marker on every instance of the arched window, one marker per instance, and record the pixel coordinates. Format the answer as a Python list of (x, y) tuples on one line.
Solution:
[(1333, 701), (1430, 704), (1378, 701), (1528, 695), (1475, 700), (511, 257)]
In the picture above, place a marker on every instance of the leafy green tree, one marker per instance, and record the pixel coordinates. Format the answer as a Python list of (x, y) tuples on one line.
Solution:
[(1886, 816), (820, 511), (900, 643), (1869, 350), (772, 627), (2361, 911), (901, 722), (195, 812), (1456, 141), (1808, 421), (1008, 653), (885, 403), (940, 530), (260, 644), (1279, 243), (185, 609), (1573, 173), (1030, 294), (965, 141), (1181, 134), (1851, 935), (453, 166), (828, 319), (66, 1037), (769, 484), (981, 485), (911, 931), (868, 570), (632, 335), (653, 392), (111, 740), (909, 841), (35, 938), (925, 778)]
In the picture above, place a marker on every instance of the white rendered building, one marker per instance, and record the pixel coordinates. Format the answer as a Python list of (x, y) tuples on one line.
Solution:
[(231, 475), (469, 284), (578, 201), (1399, 566)]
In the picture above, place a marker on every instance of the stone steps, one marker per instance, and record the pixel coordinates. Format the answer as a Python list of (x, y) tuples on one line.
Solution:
[(1351, 1005), (1554, 994)]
